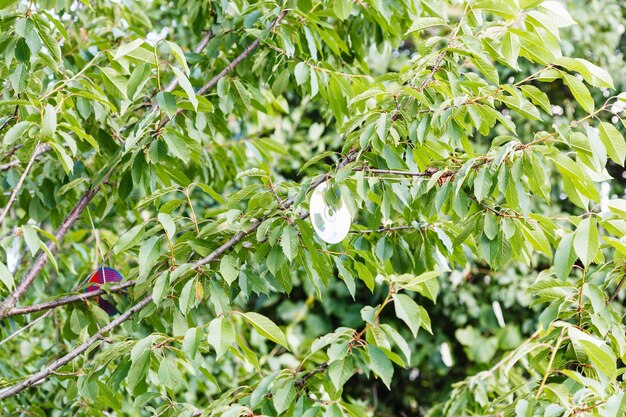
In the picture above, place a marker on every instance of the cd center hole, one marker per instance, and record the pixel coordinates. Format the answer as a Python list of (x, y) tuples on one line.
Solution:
[(329, 211)]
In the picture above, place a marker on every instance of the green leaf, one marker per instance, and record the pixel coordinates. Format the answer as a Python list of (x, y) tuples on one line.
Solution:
[(168, 225), (482, 184), (22, 52), (580, 92), (191, 342), (6, 277), (50, 41), (587, 240), (266, 328), (538, 97), (289, 242), (160, 285), (114, 83), (48, 122), (127, 48), (148, 255), (129, 239), (229, 268), (341, 371), (618, 206), (177, 146), (342, 8), (17, 132), (601, 357), (186, 86), (169, 375), (221, 335), (138, 78), (167, 103), (422, 23), (408, 311), (32, 239), (66, 161), (564, 257), (614, 142), (179, 55), (284, 397), (380, 364)]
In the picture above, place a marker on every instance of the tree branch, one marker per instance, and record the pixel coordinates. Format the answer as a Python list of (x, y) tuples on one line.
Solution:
[(18, 186), (18, 311), (9, 302), (302, 381), (617, 290), (96, 338), (41, 150)]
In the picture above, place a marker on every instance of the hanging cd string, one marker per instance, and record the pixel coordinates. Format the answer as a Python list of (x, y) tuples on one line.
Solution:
[(329, 214)]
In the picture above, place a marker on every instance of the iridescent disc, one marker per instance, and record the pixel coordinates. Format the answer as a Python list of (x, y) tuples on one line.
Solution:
[(102, 276), (331, 224)]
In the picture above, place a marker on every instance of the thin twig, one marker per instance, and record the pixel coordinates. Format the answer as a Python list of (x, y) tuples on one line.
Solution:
[(32, 323), (17, 311), (74, 353), (384, 229), (302, 381), (550, 362), (617, 290), (9, 302), (18, 186), (41, 150)]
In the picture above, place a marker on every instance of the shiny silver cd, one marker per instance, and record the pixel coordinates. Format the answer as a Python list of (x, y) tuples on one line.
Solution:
[(331, 223)]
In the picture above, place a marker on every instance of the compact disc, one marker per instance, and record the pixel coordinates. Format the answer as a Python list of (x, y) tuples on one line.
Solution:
[(330, 221), (102, 276)]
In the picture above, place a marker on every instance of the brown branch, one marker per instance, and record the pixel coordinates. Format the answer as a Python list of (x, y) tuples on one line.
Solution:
[(41, 150), (9, 302), (302, 381), (19, 184), (427, 173), (74, 353), (18, 311), (617, 289)]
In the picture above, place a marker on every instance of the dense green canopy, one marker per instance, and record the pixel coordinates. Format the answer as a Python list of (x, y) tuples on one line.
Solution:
[(475, 144)]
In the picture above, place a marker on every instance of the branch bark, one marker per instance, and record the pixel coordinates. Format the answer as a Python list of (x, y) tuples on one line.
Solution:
[(19, 184), (18, 311), (74, 353), (27, 280), (617, 290)]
